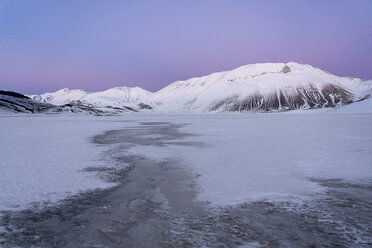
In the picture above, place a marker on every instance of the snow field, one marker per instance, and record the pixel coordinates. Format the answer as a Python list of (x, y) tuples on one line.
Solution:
[(236, 157)]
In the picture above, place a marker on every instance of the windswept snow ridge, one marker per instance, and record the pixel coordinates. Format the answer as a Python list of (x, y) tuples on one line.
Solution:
[(256, 87)]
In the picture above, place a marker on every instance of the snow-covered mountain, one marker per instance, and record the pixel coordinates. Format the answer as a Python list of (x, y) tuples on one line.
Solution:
[(114, 97), (262, 87), (12, 102), (255, 87)]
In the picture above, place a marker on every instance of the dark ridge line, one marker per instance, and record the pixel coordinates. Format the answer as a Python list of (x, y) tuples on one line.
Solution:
[(13, 94)]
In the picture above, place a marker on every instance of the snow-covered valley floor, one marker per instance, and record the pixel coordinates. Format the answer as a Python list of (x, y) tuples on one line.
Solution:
[(236, 180)]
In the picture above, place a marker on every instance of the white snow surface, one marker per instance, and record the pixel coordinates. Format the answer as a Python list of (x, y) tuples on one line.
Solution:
[(243, 157), (272, 156), (41, 157)]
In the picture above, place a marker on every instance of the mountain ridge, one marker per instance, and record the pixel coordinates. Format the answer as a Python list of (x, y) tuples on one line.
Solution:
[(254, 87)]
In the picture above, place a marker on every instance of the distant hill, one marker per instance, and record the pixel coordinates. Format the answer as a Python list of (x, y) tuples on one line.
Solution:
[(13, 94)]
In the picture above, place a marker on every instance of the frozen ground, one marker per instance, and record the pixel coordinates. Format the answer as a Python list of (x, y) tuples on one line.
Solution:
[(274, 180), (41, 157), (275, 156)]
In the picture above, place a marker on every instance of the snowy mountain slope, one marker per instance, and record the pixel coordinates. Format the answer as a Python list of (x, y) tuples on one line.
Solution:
[(114, 97), (60, 97), (361, 107), (262, 87), (118, 96)]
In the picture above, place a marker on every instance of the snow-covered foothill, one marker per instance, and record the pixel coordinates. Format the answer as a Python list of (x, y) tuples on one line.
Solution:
[(116, 97), (60, 97)]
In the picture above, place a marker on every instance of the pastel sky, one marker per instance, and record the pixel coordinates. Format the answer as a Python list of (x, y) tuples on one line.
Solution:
[(46, 45)]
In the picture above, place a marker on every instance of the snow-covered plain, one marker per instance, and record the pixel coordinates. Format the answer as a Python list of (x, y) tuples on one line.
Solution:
[(239, 157), (41, 157), (272, 156), (275, 156)]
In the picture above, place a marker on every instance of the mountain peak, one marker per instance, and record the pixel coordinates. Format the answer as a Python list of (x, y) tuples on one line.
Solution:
[(269, 68), (251, 71), (286, 69)]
